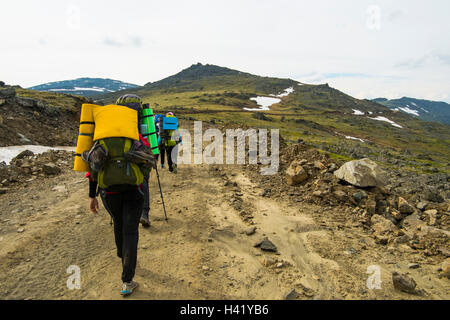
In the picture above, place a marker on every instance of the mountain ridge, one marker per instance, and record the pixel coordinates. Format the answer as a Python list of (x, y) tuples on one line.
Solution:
[(85, 86), (319, 115), (428, 110)]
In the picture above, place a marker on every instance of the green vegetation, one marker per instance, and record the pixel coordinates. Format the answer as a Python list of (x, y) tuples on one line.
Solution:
[(56, 100), (317, 114)]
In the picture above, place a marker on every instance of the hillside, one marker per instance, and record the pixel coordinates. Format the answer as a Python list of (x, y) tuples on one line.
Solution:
[(87, 87), (317, 114), (33, 117), (427, 110), (233, 233)]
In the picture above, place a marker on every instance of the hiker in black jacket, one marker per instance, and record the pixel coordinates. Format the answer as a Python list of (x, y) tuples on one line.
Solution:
[(124, 202)]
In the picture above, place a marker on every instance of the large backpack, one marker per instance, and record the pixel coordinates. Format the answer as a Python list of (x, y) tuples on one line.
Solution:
[(117, 170), (169, 125)]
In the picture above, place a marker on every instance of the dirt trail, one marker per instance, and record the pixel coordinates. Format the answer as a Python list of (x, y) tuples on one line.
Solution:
[(201, 253)]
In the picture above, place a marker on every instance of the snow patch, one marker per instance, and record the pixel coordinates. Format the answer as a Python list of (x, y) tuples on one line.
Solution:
[(410, 111), (90, 89), (83, 89), (354, 138), (379, 118), (357, 112), (8, 153), (286, 92), (264, 102)]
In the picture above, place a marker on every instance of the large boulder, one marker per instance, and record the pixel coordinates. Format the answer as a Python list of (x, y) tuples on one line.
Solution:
[(296, 174), (362, 173)]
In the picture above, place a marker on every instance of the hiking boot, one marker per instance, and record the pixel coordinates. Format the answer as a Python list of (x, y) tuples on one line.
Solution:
[(128, 288), (145, 222)]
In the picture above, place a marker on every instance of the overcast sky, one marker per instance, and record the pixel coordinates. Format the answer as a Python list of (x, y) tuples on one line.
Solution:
[(368, 49)]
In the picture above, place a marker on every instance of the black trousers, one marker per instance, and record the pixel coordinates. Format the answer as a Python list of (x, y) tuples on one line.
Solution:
[(125, 208), (165, 149)]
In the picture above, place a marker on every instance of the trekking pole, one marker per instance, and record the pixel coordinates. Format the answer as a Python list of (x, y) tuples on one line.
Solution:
[(160, 190)]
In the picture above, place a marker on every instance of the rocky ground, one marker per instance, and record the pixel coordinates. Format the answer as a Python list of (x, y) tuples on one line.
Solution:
[(231, 234)]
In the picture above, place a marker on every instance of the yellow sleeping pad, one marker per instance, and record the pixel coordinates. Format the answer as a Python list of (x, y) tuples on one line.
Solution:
[(115, 121), (85, 138)]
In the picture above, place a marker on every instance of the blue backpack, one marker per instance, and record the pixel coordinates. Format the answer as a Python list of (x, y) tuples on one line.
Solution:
[(170, 123)]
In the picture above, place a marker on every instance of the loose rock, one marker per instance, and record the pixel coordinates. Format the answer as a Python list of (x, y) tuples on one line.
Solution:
[(250, 231), (267, 245), (51, 169), (295, 174), (292, 295), (432, 215), (403, 283), (404, 207)]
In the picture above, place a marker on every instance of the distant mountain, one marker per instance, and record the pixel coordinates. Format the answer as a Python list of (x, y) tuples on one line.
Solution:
[(87, 87), (424, 109)]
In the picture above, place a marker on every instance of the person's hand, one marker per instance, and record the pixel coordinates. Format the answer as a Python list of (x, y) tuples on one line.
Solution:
[(93, 205)]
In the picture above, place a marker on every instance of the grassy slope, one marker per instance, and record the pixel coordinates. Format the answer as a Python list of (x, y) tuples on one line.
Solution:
[(319, 115), (57, 100)]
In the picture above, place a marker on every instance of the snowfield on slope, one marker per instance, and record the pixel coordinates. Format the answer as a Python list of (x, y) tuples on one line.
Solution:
[(84, 89), (357, 112), (264, 102), (379, 118), (267, 102), (286, 92), (408, 110), (354, 138)]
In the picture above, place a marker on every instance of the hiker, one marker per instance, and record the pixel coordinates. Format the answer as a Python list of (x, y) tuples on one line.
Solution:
[(168, 140), (123, 197)]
